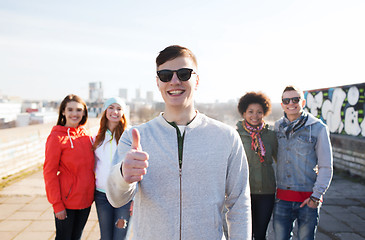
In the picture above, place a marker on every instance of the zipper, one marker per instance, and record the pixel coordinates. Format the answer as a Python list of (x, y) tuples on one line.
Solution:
[(180, 144), (180, 204), (69, 192)]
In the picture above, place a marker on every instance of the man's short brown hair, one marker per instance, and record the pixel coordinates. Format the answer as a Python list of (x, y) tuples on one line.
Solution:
[(172, 52)]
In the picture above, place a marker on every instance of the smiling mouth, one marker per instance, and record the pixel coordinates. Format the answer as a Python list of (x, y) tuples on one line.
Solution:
[(175, 92)]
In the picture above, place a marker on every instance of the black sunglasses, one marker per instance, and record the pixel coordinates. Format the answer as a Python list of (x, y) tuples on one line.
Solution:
[(183, 74), (286, 101)]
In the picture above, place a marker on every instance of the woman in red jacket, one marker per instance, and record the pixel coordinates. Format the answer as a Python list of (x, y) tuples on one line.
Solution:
[(69, 169)]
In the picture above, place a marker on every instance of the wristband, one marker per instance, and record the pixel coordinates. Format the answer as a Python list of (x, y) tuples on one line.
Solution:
[(315, 200)]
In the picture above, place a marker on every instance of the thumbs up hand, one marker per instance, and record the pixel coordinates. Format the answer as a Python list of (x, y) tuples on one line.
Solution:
[(135, 163)]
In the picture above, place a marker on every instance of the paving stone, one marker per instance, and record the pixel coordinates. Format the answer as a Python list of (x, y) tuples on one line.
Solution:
[(22, 215), (354, 222), (91, 225), (333, 210), (7, 210), (14, 225), (19, 199), (31, 207), (8, 235), (349, 236), (41, 226), (359, 211), (47, 215), (3, 199), (330, 224), (322, 236), (34, 235), (40, 200)]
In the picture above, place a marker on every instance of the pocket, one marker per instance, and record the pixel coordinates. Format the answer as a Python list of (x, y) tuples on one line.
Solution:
[(68, 193), (305, 144)]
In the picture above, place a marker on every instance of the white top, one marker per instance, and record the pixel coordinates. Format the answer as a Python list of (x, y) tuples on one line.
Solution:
[(103, 160)]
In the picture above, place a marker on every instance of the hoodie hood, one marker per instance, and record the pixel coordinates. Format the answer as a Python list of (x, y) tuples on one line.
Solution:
[(71, 132), (312, 120)]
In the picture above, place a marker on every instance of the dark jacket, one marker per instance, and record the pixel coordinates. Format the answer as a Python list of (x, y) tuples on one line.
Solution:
[(262, 176)]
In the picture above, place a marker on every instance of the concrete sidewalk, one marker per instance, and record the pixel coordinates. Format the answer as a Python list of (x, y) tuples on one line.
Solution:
[(26, 214)]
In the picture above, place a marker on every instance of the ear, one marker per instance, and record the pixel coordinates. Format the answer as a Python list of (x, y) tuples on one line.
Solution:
[(303, 103), (196, 82)]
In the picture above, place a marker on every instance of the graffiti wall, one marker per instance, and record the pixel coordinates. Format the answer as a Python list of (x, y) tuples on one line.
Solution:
[(341, 108)]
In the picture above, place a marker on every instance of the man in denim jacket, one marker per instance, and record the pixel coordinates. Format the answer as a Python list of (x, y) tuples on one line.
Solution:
[(304, 168)]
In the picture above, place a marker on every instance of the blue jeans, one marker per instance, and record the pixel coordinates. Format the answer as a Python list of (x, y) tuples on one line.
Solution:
[(261, 207), (113, 222), (73, 225), (285, 213)]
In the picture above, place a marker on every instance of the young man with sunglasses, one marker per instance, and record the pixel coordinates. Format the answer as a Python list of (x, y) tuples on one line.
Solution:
[(182, 168), (304, 168)]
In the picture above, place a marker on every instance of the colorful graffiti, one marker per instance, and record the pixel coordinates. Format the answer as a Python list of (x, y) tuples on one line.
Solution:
[(341, 108)]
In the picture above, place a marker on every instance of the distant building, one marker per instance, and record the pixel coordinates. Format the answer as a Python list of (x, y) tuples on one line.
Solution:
[(138, 94), (9, 111), (123, 93), (31, 106), (149, 96), (96, 92)]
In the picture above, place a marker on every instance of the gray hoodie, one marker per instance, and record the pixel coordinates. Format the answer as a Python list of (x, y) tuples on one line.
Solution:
[(186, 203)]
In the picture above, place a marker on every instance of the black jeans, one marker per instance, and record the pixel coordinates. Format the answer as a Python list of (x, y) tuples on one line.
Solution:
[(261, 207), (71, 228)]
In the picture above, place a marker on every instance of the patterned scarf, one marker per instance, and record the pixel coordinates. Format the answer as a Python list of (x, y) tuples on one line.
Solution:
[(291, 127), (257, 144)]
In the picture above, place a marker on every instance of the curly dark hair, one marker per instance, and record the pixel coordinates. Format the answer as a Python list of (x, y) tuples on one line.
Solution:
[(254, 97)]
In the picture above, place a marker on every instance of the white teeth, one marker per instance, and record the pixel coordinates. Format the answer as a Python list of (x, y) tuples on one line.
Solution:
[(175, 92)]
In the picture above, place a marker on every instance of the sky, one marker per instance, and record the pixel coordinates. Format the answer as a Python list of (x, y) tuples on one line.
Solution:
[(49, 49)]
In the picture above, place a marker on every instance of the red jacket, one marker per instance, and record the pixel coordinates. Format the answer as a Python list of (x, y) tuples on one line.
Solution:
[(69, 169)]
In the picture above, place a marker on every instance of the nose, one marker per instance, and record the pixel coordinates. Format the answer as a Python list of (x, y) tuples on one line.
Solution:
[(174, 78)]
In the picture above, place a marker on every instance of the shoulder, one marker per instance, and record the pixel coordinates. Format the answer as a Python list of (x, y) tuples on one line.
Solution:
[(215, 124), (315, 121), (218, 130), (56, 132), (269, 130), (144, 128), (277, 123)]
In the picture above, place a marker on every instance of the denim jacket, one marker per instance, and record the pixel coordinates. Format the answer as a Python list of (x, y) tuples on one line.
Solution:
[(304, 161)]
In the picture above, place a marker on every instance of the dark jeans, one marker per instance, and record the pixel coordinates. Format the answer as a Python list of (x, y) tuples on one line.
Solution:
[(71, 228), (262, 206), (113, 222)]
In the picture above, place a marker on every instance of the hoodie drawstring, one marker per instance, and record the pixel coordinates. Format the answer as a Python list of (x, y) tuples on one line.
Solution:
[(68, 132)]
